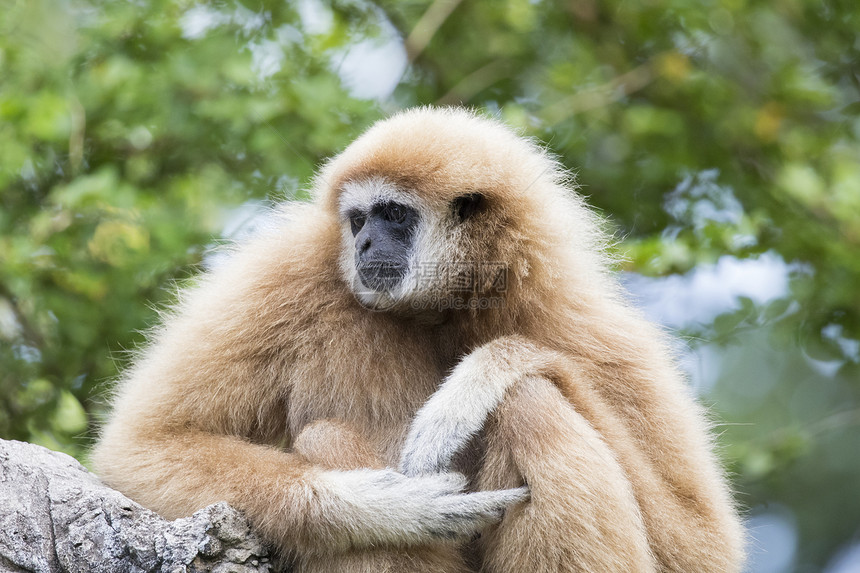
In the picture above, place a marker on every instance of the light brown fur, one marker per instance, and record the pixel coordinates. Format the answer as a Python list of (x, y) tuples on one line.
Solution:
[(270, 373)]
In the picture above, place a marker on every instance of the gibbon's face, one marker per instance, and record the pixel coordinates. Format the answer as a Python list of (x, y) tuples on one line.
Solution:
[(394, 243), (384, 233), (441, 209)]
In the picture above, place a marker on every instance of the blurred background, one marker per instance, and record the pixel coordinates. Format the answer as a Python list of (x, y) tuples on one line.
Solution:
[(720, 139)]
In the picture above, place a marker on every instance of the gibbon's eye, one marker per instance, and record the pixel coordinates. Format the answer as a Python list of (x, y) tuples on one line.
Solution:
[(467, 205), (395, 213), (356, 222)]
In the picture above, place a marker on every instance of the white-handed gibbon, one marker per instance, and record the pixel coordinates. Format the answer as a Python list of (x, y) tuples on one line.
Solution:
[(427, 368)]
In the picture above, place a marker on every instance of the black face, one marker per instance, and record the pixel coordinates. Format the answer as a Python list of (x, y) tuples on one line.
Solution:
[(383, 243)]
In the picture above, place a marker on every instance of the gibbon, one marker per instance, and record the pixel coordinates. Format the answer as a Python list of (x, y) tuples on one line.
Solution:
[(427, 368)]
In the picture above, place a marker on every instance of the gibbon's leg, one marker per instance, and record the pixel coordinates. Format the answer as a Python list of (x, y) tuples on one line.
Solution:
[(582, 515), (334, 445)]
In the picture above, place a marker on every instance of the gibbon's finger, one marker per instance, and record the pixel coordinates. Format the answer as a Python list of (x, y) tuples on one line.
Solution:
[(490, 503), (463, 515)]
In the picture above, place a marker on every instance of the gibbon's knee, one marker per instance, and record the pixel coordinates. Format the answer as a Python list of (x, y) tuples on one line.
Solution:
[(583, 515), (334, 445)]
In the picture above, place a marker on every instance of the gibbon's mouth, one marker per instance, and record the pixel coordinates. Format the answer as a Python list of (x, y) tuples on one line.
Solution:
[(381, 275)]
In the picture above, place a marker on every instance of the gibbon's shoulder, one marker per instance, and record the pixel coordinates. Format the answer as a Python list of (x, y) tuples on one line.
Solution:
[(290, 240), (287, 266)]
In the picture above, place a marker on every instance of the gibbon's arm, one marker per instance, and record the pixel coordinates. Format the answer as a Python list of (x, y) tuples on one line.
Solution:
[(460, 407), (297, 506), (553, 427), (183, 430)]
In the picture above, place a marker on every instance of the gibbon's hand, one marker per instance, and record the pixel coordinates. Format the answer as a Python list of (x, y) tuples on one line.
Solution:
[(386, 506), (452, 415)]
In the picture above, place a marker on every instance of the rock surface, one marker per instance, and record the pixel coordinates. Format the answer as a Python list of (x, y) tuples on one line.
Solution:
[(55, 516)]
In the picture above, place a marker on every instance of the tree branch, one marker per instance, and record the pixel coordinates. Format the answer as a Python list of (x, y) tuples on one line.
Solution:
[(56, 516)]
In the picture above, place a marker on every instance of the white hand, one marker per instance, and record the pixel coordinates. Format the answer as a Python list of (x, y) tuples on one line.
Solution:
[(383, 506)]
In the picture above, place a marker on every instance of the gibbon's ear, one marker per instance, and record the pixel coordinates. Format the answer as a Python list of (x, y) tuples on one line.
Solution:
[(467, 205)]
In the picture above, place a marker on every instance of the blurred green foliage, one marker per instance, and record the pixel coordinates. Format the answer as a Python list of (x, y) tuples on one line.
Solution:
[(131, 131)]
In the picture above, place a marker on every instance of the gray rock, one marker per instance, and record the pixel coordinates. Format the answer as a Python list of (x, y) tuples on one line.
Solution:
[(55, 516)]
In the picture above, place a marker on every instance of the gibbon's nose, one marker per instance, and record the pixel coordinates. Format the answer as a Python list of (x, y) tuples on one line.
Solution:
[(363, 244)]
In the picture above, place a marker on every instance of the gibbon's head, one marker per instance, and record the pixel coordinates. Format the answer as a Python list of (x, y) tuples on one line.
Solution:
[(443, 209)]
